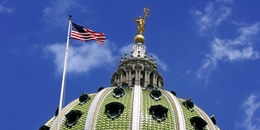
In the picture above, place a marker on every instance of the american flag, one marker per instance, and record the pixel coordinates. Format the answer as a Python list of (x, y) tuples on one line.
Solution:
[(81, 33)]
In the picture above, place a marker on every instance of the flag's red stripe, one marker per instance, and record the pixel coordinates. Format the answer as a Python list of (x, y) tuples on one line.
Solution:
[(88, 35)]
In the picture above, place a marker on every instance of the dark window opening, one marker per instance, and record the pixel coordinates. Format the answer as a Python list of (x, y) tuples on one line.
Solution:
[(100, 88), (158, 112), (57, 111), (83, 98), (44, 127), (133, 82), (198, 123), (174, 93), (151, 78), (118, 92), (213, 119), (189, 104), (156, 94), (125, 85), (142, 82), (149, 87), (73, 117), (114, 109)]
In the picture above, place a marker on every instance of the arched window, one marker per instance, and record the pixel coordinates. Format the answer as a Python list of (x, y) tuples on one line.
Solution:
[(100, 88), (158, 112), (151, 78), (44, 127), (142, 82), (118, 92), (189, 104), (73, 117), (125, 85), (174, 93), (213, 119), (83, 98), (198, 123), (156, 94), (114, 109), (133, 82)]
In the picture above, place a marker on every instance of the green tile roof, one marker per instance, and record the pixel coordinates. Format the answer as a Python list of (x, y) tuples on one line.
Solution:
[(148, 123), (81, 122), (188, 115), (123, 121)]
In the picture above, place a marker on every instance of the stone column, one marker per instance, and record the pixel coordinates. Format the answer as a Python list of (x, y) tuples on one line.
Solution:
[(136, 78), (145, 78), (159, 83), (121, 77), (126, 77), (130, 77), (154, 80)]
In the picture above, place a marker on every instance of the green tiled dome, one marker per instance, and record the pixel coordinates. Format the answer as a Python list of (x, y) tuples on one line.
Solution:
[(178, 115)]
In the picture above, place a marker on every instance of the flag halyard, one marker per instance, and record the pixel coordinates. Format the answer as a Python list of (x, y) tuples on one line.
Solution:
[(84, 34)]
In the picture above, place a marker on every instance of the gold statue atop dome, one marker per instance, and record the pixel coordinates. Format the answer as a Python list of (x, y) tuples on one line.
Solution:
[(141, 21), (141, 26)]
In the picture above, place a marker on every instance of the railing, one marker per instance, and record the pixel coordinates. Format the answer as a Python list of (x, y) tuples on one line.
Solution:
[(132, 83)]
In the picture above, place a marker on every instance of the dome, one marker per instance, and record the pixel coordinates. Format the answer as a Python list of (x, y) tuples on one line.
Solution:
[(128, 108), (136, 100)]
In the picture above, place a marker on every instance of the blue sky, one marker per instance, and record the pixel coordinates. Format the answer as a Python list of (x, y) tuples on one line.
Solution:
[(208, 50)]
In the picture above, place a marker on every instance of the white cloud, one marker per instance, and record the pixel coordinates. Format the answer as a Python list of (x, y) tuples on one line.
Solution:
[(211, 17), (208, 66), (6, 10), (89, 56), (57, 13), (250, 120), (126, 49), (237, 49), (223, 49), (81, 58)]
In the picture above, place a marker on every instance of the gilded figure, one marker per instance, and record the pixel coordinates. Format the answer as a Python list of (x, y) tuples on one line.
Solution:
[(141, 21)]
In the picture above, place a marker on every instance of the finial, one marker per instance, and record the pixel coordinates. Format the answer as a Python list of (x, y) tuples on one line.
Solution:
[(126, 56), (139, 38), (151, 57), (70, 16), (141, 21)]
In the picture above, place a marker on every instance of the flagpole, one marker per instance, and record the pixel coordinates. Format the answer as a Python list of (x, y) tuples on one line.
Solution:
[(64, 74)]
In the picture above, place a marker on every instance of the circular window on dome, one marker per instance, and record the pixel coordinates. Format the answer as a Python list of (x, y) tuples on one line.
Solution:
[(189, 104), (125, 85), (100, 88), (118, 92), (73, 117), (158, 112), (149, 87), (174, 93), (198, 123), (156, 94), (114, 109), (83, 98), (57, 111), (213, 119), (44, 127)]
